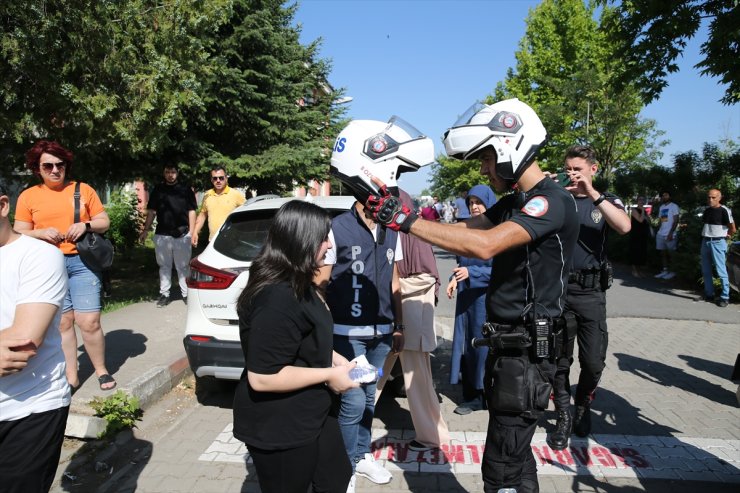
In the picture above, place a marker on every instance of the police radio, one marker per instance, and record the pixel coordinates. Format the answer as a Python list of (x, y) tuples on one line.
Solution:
[(541, 338)]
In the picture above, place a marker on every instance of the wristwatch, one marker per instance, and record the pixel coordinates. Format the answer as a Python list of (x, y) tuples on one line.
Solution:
[(88, 228), (398, 328), (601, 198)]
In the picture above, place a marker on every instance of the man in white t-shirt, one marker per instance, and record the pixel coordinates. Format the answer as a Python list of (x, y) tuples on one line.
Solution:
[(34, 393), (666, 239)]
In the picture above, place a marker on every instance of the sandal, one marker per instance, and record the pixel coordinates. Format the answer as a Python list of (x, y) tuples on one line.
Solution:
[(104, 379)]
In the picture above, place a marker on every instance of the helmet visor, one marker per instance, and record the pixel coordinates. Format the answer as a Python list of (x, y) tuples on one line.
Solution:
[(399, 137), (467, 117), (412, 131)]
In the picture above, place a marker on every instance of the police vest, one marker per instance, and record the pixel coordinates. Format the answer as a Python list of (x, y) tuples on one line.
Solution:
[(360, 291)]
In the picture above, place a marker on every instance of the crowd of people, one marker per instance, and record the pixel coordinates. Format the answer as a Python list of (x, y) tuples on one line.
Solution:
[(323, 293)]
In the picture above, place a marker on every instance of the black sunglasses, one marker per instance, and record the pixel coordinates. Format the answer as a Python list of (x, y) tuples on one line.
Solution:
[(49, 167), (218, 178)]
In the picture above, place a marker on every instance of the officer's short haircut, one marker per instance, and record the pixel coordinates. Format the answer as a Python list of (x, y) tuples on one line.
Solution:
[(584, 152), (218, 167), (3, 190)]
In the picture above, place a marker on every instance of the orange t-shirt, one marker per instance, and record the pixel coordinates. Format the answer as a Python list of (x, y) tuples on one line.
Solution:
[(47, 208)]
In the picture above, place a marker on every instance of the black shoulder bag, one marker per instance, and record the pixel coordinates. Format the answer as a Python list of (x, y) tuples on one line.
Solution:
[(96, 251)]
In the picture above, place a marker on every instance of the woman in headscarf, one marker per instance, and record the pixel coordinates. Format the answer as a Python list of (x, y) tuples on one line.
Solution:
[(470, 279)]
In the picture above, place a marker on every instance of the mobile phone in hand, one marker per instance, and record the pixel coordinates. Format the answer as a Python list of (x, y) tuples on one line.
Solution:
[(563, 179)]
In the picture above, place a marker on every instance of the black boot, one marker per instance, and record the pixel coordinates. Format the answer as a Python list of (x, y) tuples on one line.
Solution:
[(582, 422), (558, 439)]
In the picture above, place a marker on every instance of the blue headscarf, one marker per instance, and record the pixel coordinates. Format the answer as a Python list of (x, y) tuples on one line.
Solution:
[(484, 193)]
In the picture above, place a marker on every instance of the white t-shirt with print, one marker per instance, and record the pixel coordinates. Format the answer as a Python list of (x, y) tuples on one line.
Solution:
[(666, 215), (33, 271)]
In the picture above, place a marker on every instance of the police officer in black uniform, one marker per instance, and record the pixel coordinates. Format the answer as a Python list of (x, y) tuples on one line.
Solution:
[(532, 234), (589, 278)]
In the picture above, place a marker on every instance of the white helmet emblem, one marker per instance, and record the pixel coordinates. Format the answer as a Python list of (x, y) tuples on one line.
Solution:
[(509, 121), (378, 145)]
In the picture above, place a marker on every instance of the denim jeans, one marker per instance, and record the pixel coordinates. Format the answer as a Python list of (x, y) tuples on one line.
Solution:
[(358, 405), (714, 251), (83, 294)]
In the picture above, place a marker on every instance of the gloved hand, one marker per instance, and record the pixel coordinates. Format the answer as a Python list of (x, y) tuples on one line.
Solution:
[(388, 210)]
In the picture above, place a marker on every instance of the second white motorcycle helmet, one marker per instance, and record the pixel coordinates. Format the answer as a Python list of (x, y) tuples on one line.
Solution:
[(367, 148), (511, 127)]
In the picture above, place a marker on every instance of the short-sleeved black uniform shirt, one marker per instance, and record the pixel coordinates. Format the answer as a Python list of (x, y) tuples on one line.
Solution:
[(172, 204), (283, 331), (548, 213), (591, 247)]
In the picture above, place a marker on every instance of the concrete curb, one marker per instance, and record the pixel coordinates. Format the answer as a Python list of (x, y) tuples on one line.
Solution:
[(148, 388)]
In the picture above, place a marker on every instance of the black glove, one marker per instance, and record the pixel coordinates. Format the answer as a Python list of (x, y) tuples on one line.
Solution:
[(388, 210)]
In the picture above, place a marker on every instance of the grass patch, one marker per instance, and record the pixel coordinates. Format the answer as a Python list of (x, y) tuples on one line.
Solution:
[(134, 278)]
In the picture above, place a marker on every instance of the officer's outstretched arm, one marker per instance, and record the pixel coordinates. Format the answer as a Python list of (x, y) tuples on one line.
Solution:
[(473, 240)]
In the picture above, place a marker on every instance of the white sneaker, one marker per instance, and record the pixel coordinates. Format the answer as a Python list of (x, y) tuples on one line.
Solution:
[(373, 471), (669, 275), (351, 485), (661, 274)]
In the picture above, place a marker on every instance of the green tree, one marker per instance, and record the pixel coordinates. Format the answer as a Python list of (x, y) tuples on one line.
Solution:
[(652, 34), (271, 112), (108, 79), (451, 176), (566, 68), (130, 85)]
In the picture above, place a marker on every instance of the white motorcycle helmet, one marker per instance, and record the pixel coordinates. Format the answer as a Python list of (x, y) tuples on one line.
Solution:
[(511, 127), (367, 148)]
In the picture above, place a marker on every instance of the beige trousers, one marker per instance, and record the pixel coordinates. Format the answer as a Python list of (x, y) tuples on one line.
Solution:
[(418, 315), (426, 413)]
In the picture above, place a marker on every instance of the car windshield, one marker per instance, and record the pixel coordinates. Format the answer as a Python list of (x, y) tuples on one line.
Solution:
[(243, 234)]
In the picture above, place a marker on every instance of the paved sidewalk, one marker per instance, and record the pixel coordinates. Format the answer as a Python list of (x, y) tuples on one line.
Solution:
[(144, 353), (666, 411)]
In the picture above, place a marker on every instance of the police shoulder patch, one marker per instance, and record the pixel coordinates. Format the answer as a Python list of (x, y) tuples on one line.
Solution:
[(536, 206)]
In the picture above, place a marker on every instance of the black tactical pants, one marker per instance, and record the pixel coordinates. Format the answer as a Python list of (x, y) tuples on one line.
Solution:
[(589, 305), (508, 461)]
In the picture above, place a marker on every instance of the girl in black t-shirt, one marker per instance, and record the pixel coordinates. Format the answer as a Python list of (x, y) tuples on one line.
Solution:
[(283, 402)]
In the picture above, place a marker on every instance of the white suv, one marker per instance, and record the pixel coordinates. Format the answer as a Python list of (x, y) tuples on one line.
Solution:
[(217, 278)]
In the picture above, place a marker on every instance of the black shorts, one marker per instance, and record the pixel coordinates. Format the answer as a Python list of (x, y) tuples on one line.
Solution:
[(29, 451)]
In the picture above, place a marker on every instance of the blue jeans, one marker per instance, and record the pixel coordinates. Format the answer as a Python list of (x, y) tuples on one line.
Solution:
[(83, 294), (358, 405), (714, 251)]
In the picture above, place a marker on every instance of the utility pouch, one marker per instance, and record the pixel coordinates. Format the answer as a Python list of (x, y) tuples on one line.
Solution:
[(518, 387), (564, 336), (509, 393), (606, 275), (539, 391)]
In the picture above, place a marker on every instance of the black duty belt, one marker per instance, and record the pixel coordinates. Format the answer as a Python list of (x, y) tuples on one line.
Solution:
[(586, 278)]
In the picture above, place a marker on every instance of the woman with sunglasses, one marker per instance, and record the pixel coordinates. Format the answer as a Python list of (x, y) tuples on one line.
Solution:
[(46, 211)]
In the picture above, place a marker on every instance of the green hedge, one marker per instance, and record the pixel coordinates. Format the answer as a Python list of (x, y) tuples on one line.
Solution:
[(126, 220)]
